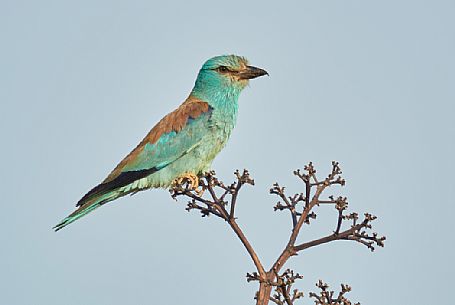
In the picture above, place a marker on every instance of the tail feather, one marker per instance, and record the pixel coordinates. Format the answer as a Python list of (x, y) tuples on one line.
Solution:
[(86, 208)]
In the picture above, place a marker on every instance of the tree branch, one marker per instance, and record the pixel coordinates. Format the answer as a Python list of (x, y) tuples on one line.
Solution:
[(220, 200), (216, 205), (325, 296)]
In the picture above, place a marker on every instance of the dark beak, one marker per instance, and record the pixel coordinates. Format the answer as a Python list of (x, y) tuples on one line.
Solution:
[(252, 72)]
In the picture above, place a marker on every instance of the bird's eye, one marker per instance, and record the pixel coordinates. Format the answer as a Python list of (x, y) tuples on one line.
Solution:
[(223, 69)]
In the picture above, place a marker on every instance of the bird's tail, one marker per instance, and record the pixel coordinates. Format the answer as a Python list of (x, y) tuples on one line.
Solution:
[(87, 207)]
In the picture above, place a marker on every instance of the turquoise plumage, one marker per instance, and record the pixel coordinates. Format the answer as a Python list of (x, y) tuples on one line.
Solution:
[(184, 143)]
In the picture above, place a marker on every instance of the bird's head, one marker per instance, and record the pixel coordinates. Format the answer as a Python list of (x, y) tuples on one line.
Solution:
[(226, 74)]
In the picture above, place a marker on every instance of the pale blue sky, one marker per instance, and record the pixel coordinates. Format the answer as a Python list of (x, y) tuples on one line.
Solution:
[(368, 83)]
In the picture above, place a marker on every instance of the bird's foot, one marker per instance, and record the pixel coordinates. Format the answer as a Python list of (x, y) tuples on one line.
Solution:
[(192, 181), (189, 178), (200, 191)]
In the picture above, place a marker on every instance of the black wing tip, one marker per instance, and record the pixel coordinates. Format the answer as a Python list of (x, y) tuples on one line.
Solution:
[(121, 180)]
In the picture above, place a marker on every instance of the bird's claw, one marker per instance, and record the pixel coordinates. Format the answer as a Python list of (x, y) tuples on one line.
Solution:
[(200, 191), (193, 182), (189, 178)]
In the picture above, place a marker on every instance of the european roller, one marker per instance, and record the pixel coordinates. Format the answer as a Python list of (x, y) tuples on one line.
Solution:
[(181, 146)]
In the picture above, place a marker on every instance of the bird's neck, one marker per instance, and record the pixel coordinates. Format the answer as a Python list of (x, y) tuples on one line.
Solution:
[(223, 101)]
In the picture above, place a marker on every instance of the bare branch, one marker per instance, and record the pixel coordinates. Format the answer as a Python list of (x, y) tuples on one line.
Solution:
[(217, 205), (326, 296), (220, 200), (283, 286), (289, 203)]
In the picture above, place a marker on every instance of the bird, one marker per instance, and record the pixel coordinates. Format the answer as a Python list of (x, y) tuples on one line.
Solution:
[(182, 145)]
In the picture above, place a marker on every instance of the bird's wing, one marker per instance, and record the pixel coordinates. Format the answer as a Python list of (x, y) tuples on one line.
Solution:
[(174, 136)]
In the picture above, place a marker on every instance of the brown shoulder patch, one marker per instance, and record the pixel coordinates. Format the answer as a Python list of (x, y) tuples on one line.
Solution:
[(175, 121)]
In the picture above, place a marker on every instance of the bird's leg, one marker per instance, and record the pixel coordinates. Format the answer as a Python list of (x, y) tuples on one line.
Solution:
[(192, 180)]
